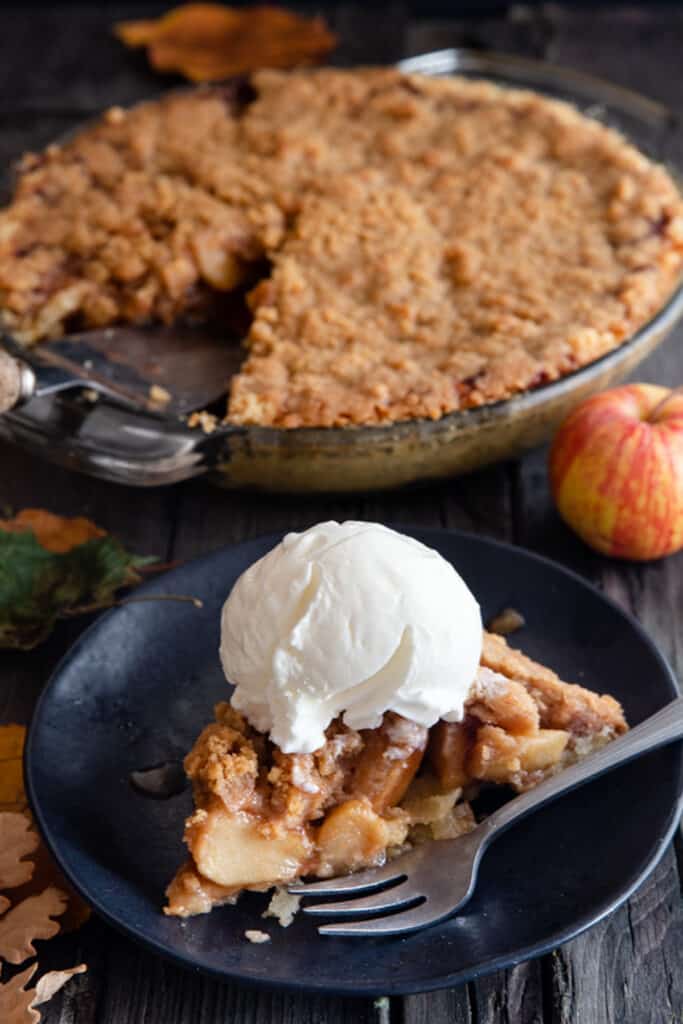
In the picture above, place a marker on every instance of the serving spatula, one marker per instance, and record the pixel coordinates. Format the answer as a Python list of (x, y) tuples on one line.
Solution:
[(168, 371)]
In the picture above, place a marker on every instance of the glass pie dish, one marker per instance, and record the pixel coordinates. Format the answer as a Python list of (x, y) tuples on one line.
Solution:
[(105, 440)]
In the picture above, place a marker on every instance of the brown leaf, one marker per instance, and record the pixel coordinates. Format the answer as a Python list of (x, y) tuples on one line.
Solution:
[(30, 920), (45, 872), (33, 915), (211, 42), (17, 840), (15, 1001), (137, 33), (17, 1004), (12, 795)]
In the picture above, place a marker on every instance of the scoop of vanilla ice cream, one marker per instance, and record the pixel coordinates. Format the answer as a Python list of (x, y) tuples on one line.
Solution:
[(348, 617)]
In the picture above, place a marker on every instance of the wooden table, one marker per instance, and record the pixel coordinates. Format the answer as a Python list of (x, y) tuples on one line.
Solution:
[(60, 65)]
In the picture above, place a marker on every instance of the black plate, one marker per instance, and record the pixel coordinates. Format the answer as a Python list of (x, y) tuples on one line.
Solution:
[(140, 684)]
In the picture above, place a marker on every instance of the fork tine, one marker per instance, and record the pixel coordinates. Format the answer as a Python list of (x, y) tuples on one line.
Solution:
[(388, 899), (396, 924), (358, 882)]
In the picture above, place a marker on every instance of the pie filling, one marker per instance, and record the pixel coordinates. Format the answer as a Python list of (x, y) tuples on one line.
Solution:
[(432, 244), (264, 818)]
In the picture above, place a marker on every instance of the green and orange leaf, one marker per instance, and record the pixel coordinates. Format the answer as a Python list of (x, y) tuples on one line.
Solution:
[(52, 567)]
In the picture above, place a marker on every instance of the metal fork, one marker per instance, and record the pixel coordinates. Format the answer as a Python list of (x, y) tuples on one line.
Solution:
[(435, 879)]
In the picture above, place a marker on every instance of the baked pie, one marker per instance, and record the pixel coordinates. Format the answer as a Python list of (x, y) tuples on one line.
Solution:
[(264, 818), (411, 246)]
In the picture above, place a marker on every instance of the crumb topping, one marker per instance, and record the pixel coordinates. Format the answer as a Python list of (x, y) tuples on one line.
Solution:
[(434, 244)]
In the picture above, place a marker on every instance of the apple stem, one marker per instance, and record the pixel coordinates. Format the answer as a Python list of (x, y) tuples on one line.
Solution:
[(663, 401)]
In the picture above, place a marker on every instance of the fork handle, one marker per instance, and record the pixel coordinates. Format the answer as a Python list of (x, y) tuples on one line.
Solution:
[(17, 381), (663, 727)]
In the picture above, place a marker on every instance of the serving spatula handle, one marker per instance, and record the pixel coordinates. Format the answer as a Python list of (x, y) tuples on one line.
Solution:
[(17, 381), (20, 381)]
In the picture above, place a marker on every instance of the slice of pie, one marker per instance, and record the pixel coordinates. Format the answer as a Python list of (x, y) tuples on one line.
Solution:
[(265, 818)]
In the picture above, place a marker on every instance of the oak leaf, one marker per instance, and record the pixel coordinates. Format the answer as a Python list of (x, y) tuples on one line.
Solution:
[(33, 917), (208, 42), (52, 567), (44, 870), (18, 1005), (30, 920), (12, 795), (15, 1002), (17, 840), (45, 874)]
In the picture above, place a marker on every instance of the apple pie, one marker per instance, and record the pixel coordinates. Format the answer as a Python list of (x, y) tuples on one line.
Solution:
[(411, 246), (264, 818)]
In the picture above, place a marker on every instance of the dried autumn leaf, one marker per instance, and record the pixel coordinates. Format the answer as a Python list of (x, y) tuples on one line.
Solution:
[(50, 983), (17, 840), (33, 917), (45, 874), (30, 920), (138, 33), (12, 795), (211, 42), (15, 1001), (17, 1004), (51, 567), (13, 798)]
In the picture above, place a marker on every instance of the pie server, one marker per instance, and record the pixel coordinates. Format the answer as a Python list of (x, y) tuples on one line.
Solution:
[(168, 371)]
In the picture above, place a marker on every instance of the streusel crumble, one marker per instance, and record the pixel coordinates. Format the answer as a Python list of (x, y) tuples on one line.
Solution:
[(435, 244)]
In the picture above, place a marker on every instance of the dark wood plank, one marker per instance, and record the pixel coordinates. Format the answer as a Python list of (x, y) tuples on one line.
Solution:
[(510, 997), (627, 969), (515, 996), (126, 985), (210, 516), (452, 1005), (636, 45), (65, 58), (368, 35), (520, 29)]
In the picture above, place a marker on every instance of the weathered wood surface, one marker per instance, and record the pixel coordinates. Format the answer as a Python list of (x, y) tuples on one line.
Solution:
[(59, 65)]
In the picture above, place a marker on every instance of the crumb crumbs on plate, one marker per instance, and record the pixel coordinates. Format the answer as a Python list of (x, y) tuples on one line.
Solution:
[(506, 622), (203, 419), (158, 395), (254, 935), (283, 906)]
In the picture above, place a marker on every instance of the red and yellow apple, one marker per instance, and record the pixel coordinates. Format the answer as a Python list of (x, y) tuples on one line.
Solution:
[(616, 471)]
